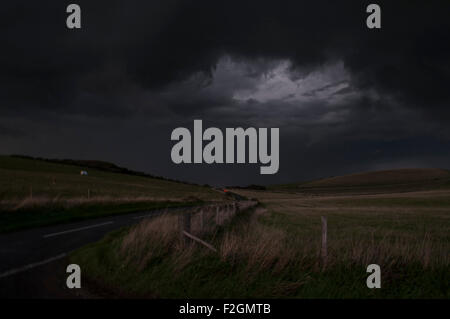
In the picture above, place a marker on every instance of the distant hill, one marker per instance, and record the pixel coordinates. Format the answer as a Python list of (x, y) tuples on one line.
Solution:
[(409, 179), (249, 187), (22, 176), (99, 165)]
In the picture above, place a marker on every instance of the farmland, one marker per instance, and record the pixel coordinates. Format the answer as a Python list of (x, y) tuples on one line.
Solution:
[(273, 251), (378, 182), (37, 193)]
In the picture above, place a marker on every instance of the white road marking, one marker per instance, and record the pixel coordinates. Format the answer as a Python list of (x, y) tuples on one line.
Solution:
[(148, 215), (27, 267), (76, 229)]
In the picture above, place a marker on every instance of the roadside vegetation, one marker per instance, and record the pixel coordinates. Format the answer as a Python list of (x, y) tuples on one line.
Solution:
[(274, 251)]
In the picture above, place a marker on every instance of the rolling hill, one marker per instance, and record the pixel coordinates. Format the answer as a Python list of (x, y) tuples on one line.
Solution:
[(21, 177), (399, 180), (37, 192)]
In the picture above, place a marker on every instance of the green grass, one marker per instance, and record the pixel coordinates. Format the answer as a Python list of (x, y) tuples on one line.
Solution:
[(36, 193), (19, 177)]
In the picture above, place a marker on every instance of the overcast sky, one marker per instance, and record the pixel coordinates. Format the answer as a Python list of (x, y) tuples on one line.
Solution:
[(346, 98)]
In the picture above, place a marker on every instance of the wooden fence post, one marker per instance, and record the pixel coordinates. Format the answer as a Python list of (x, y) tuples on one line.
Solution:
[(185, 225), (217, 216), (324, 253), (202, 218)]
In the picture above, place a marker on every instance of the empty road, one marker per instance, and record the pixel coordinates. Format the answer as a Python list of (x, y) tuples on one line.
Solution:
[(32, 261)]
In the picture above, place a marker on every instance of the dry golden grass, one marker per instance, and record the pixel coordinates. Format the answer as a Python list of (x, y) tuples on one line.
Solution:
[(274, 251), (262, 247), (385, 229), (151, 238), (266, 248), (160, 236)]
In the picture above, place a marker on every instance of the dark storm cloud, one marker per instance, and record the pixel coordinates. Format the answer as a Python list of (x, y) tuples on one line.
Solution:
[(163, 63), (155, 43)]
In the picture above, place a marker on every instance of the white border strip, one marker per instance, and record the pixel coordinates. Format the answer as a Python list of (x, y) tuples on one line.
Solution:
[(33, 265), (76, 229)]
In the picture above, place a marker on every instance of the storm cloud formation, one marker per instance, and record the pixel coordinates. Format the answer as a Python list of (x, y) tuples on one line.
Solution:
[(346, 98)]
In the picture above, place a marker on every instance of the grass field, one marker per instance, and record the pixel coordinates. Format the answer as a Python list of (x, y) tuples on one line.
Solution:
[(36, 193), (273, 252), (378, 182)]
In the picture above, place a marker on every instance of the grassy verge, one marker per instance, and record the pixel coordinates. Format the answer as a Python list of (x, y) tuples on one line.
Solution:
[(268, 254)]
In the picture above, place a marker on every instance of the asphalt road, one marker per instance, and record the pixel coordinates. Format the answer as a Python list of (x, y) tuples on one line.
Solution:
[(32, 261)]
